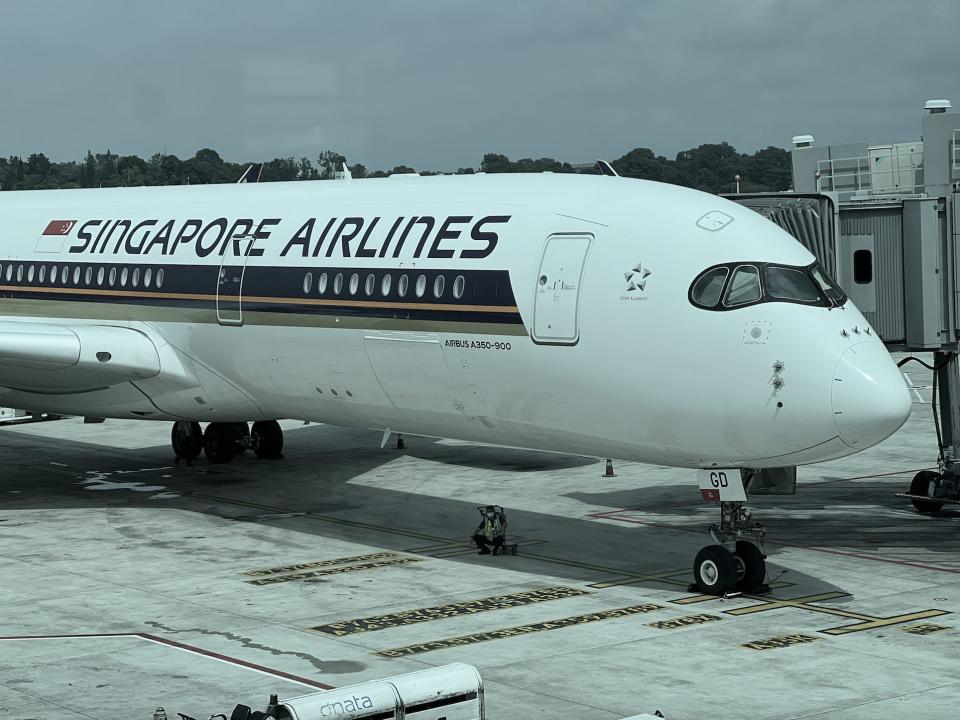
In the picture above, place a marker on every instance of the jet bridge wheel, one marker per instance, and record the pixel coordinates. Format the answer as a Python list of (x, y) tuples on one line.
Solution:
[(186, 437), (220, 442), (922, 483), (715, 570), (266, 439)]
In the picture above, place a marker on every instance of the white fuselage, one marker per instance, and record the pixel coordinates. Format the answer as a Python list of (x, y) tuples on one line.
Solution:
[(562, 321)]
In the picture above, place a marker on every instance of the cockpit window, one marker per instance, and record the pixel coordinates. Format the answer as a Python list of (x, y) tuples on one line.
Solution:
[(709, 286), (829, 286), (739, 284), (744, 286), (784, 283)]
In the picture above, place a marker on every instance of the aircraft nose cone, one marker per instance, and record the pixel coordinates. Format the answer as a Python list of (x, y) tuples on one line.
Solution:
[(870, 397)]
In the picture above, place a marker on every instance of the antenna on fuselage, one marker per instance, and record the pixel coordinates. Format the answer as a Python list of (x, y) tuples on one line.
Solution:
[(606, 168)]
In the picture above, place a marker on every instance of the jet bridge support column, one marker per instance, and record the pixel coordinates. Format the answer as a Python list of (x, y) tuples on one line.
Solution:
[(947, 368), (930, 490)]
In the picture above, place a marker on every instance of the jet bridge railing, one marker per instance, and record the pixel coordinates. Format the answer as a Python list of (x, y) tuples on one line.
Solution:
[(881, 172), (955, 152)]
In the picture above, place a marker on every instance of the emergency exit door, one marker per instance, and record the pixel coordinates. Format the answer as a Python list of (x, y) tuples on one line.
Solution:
[(556, 305), (230, 283)]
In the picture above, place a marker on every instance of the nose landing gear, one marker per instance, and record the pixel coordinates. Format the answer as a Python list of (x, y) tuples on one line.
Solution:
[(736, 561)]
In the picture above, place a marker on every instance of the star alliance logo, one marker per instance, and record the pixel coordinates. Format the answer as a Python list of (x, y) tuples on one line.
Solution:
[(637, 278)]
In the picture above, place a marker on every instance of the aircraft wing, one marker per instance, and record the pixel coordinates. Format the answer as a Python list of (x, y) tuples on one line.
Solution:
[(62, 358)]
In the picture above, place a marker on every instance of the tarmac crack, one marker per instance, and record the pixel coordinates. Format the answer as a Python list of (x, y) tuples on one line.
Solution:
[(336, 667)]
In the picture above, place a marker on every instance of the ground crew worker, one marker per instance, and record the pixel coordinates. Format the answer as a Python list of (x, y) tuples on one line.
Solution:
[(490, 533)]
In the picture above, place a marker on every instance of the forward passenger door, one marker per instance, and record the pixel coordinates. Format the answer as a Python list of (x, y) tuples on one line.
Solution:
[(556, 304)]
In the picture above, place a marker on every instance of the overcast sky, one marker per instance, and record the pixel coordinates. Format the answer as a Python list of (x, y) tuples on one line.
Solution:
[(436, 83)]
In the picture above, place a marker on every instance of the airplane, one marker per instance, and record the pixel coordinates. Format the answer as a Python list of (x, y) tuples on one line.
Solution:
[(586, 314)]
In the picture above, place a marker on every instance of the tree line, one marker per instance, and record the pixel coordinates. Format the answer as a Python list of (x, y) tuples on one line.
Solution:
[(712, 168)]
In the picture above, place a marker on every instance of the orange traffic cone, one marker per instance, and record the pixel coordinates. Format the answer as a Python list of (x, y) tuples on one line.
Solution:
[(609, 470)]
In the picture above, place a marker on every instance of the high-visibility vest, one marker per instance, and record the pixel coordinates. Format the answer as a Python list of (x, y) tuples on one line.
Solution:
[(492, 528)]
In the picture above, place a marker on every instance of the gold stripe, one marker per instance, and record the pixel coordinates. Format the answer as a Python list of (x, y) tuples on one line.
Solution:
[(262, 299), (74, 309)]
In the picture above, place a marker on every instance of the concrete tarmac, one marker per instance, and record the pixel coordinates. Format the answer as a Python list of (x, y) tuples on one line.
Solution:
[(132, 583)]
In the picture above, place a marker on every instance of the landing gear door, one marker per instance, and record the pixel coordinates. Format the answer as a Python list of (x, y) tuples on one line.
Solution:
[(556, 304), (230, 282)]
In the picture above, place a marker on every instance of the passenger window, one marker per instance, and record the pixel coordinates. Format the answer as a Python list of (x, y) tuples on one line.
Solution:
[(123, 277), (354, 283), (307, 283), (790, 284), (421, 285), (385, 284), (158, 281), (100, 275), (458, 286), (147, 274), (43, 274), (402, 286), (113, 276), (338, 284), (370, 284), (706, 291), (862, 267), (438, 285), (322, 284), (744, 287)]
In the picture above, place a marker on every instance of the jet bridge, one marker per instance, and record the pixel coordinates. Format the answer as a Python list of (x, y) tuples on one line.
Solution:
[(885, 221)]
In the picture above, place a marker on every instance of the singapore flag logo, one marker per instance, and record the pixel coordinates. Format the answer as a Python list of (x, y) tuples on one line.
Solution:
[(53, 236)]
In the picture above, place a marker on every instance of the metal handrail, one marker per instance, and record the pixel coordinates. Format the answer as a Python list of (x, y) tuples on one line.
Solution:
[(956, 150), (856, 174)]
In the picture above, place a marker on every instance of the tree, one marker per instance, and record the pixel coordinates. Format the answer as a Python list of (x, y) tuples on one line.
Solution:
[(330, 164)]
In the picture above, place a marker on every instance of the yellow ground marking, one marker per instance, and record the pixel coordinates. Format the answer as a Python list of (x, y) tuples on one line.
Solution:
[(780, 642), (450, 610), (923, 629), (333, 571), (519, 630), (800, 602), (319, 564), (884, 622), (671, 577)]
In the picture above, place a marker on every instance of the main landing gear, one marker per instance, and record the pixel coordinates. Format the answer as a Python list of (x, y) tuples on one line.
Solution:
[(736, 561), (222, 440)]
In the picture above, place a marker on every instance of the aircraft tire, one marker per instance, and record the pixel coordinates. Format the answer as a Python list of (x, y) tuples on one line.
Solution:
[(921, 486), (751, 566), (186, 438), (220, 442), (266, 439), (714, 570)]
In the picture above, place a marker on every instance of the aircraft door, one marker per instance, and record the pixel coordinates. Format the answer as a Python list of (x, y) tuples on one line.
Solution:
[(557, 300), (230, 283)]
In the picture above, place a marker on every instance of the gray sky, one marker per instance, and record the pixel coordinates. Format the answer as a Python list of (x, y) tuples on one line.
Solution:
[(437, 83)]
